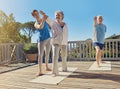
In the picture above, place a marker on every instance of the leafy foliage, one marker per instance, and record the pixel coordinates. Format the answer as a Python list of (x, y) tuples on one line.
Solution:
[(30, 48), (29, 29), (114, 36), (10, 29)]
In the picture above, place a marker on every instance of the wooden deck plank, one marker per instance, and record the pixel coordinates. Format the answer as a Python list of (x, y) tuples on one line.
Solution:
[(82, 78)]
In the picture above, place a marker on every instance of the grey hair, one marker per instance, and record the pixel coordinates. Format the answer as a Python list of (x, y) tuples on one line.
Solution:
[(59, 11)]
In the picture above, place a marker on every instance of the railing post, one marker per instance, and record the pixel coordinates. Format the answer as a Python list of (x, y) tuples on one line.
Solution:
[(85, 50)]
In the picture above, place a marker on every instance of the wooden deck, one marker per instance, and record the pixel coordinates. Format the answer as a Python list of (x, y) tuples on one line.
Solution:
[(82, 78)]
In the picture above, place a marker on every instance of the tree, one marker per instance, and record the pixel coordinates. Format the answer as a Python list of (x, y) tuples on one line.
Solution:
[(24, 39), (3, 18), (29, 29), (114, 36), (10, 29)]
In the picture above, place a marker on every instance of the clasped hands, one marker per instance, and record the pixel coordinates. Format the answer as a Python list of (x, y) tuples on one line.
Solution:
[(44, 15)]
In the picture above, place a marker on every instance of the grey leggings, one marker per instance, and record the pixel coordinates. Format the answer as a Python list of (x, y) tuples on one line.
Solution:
[(45, 45)]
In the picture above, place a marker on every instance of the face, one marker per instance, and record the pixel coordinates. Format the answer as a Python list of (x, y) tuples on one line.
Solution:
[(100, 19), (36, 15), (59, 16)]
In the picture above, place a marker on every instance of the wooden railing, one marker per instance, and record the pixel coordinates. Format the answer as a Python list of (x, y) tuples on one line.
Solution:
[(77, 50), (84, 50), (11, 52)]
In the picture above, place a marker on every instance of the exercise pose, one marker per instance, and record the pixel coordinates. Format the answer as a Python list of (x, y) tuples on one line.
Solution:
[(59, 41), (99, 36), (43, 40)]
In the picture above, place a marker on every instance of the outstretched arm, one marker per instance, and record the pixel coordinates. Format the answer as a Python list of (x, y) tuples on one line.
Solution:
[(48, 20)]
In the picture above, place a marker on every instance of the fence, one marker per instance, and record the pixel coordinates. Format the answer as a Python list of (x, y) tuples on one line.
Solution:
[(77, 50), (11, 52), (84, 50)]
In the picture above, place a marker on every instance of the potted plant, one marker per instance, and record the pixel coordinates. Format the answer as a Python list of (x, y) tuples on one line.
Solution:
[(31, 52)]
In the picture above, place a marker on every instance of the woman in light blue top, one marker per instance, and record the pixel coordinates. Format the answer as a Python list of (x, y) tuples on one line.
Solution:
[(43, 40), (99, 36)]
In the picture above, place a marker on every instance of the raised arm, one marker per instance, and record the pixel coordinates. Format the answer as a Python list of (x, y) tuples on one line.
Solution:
[(41, 25), (95, 21), (48, 20)]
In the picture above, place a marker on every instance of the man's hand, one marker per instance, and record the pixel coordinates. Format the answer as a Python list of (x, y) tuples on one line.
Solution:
[(95, 18), (95, 21)]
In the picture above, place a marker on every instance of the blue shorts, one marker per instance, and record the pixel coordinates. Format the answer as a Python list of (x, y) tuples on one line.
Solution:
[(99, 45)]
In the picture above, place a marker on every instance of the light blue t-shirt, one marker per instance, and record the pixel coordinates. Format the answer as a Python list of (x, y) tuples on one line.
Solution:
[(99, 34), (43, 34)]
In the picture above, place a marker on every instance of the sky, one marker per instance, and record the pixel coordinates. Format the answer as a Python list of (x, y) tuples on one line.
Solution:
[(78, 14)]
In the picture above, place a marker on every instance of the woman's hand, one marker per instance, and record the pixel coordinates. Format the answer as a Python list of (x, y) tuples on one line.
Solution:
[(45, 16), (42, 12)]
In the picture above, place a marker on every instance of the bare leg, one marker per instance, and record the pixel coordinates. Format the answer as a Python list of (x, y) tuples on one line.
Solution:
[(100, 60), (47, 54), (97, 55), (64, 57)]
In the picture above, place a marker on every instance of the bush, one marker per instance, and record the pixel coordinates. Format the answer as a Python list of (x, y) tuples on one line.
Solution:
[(30, 48)]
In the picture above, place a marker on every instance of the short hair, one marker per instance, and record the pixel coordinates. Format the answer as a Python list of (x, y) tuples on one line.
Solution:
[(34, 12), (59, 11), (99, 16)]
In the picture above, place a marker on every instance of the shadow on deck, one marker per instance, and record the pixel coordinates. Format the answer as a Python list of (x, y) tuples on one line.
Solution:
[(82, 78)]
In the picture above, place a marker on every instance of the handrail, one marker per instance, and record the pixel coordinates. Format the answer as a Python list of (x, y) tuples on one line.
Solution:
[(84, 50)]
